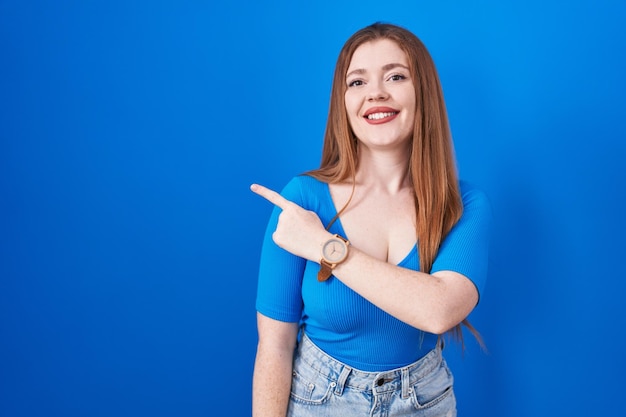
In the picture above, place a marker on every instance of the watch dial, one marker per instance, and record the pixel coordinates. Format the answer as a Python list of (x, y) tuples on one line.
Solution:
[(334, 250)]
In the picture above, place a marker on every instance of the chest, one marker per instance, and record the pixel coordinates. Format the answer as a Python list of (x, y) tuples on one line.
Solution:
[(381, 225)]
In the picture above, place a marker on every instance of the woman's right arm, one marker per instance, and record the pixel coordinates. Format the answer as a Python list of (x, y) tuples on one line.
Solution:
[(271, 383)]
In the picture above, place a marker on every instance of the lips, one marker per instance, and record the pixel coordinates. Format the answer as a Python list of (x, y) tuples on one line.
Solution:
[(378, 115)]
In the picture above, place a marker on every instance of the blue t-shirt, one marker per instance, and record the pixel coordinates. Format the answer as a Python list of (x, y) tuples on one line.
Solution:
[(338, 320)]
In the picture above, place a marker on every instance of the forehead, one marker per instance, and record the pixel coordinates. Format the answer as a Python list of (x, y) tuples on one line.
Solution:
[(376, 54)]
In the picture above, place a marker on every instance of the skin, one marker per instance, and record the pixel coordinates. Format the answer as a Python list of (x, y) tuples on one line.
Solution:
[(378, 78), (380, 223)]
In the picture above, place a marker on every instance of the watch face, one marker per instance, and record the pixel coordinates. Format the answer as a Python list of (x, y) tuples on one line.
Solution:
[(334, 250)]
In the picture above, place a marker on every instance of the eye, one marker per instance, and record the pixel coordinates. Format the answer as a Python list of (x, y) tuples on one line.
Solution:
[(355, 83), (397, 77)]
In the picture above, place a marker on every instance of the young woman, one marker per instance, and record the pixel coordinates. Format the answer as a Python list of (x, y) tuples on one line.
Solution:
[(370, 258)]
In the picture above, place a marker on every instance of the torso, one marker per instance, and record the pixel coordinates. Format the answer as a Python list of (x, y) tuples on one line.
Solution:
[(377, 223)]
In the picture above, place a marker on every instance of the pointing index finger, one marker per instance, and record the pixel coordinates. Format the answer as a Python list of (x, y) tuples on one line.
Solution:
[(270, 195)]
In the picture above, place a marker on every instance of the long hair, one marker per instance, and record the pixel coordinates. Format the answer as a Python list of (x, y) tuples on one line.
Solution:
[(432, 170)]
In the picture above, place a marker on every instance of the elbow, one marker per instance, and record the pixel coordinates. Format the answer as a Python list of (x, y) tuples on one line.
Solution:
[(439, 327), (443, 326), (453, 305), (441, 321)]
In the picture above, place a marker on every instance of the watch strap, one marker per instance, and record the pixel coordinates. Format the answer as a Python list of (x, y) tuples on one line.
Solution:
[(325, 271)]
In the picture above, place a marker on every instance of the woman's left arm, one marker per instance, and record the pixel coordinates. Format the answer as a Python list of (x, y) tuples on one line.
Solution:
[(431, 302)]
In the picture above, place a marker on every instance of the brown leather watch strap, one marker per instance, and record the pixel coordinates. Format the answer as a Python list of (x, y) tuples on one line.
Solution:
[(325, 271)]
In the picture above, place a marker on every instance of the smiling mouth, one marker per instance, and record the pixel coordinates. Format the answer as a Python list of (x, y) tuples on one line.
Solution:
[(381, 115)]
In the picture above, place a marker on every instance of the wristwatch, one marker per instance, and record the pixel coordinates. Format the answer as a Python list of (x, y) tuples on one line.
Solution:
[(334, 252)]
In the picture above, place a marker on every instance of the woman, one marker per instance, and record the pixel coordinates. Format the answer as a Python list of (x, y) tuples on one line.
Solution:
[(371, 257)]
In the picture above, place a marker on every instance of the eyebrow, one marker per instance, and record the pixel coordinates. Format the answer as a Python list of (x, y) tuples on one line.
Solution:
[(386, 67)]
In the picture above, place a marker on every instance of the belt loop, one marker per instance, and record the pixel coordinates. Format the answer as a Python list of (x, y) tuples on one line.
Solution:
[(341, 382), (405, 383)]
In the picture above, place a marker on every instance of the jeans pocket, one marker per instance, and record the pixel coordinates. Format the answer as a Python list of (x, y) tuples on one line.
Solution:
[(310, 388), (434, 390)]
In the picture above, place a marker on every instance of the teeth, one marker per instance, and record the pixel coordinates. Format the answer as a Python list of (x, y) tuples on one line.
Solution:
[(378, 116)]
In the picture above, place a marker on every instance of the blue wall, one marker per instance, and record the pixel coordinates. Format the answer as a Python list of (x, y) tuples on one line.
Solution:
[(130, 131)]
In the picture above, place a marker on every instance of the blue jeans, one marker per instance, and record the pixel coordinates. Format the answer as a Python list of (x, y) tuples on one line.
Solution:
[(323, 387)]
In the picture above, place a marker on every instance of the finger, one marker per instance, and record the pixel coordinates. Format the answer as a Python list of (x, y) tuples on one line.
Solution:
[(271, 196)]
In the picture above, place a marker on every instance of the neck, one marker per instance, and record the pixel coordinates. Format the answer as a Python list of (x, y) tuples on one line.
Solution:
[(383, 170)]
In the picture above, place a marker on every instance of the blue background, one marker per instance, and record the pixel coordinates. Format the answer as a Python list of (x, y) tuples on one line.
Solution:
[(129, 241)]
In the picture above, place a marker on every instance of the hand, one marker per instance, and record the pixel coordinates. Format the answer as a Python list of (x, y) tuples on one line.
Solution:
[(298, 231)]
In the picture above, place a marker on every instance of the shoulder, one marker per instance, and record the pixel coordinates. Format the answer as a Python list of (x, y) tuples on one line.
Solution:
[(304, 189), (472, 196), (305, 181)]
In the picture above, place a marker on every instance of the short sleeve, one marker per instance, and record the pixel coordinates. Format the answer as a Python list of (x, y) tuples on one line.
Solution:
[(279, 290), (466, 248)]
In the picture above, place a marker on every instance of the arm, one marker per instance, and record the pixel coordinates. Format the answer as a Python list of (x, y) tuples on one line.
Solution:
[(434, 303), (273, 366), (431, 302)]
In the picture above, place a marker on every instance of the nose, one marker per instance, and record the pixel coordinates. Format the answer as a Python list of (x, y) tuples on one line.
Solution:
[(377, 92)]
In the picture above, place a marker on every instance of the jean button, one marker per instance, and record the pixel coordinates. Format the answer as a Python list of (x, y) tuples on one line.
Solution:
[(380, 382)]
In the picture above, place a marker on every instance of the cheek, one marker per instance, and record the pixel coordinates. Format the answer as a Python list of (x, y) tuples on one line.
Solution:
[(352, 110), (408, 98), (349, 102), (410, 110)]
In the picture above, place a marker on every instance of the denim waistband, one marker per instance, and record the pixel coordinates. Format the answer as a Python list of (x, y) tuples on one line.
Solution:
[(377, 382)]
